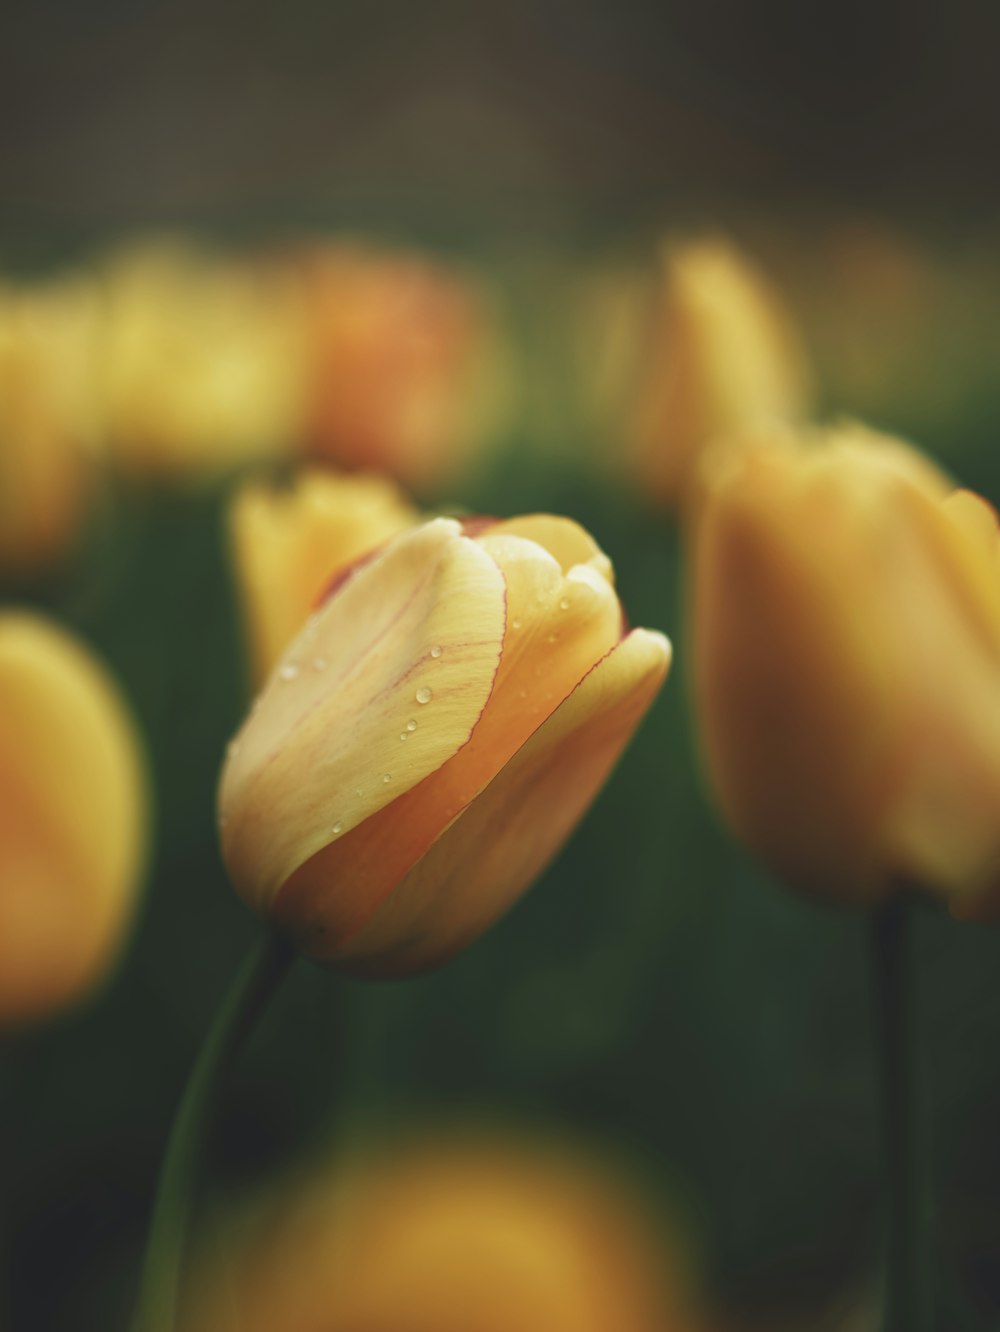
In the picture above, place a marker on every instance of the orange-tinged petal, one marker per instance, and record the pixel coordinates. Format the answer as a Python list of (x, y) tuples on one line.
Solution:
[(288, 541), (73, 809), (557, 627), (323, 750), (503, 840)]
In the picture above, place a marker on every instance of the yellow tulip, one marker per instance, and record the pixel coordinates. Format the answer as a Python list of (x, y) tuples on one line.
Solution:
[(846, 644), (431, 738), (487, 1235), (72, 819), (288, 541), (202, 360), (723, 356), (408, 371), (46, 419)]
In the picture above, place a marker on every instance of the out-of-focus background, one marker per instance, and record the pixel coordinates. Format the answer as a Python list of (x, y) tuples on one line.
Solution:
[(656, 993)]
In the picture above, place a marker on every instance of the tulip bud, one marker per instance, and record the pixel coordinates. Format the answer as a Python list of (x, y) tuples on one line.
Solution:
[(72, 819), (494, 1234), (287, 541), (724, 356), (46, 419), (202, 361), (408, 371), (846, 646), (431, 738)]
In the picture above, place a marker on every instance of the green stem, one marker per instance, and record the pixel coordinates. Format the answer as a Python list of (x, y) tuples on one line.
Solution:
[(246, 1000), (906, 1303)]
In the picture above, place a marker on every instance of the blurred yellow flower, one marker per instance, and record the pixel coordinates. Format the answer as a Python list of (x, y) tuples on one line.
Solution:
[(202, 360), (46, 418), (846, 639), (492, 1235), (431, 739), (408, 370), (723, 355), (73, 819), (288, 541)]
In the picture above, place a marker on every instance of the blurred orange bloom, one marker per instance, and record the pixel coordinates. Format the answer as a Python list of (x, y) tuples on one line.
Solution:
[(202, 360), (47, 424), (407, 367), (466, 1236), (73, 818), (431, 738), (723, 356), (846, 643), (287, 542)]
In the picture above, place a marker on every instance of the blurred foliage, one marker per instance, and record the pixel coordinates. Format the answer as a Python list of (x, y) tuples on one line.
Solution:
[(655, 990)]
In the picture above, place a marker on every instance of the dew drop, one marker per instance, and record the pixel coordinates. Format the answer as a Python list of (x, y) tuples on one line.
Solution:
[(289, 671), (411, 725), (435, 652), (564, 604), (515, 624), (338, 828), (357, 791), (404, 735), (387, 776), (319, 664), (423, 694)]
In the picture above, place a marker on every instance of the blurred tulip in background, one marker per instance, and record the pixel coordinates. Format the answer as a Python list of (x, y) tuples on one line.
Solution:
[(47, 419), (431, 739), (721, 354), (408, 372), (846, 652), (73, 819), (287, 541), (491, 1233)]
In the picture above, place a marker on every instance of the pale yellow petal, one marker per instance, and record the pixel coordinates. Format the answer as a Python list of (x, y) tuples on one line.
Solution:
[(414, 636), (565, 540), (73, 814), (503, 840), (557, 627), (288, 541)]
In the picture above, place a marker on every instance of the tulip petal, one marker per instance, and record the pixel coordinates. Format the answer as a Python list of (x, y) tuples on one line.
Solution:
[(565, 540), (324, 749), (72, 818), (506, 837), (557, 627)]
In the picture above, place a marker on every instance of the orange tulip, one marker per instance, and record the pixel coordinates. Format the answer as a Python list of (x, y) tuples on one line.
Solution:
[(431, 738), (723, 357), (72, 819), (46, 419), (847, 670), (407, 369), (490, 1235), (287, 541)]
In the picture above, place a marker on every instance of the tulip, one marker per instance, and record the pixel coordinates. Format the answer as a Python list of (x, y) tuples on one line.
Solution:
[(72, 819), (288, 541), (493, 1235), (202, 361), (407, 369), (46, 420), (723, 357), (431, 738), (846, 643)]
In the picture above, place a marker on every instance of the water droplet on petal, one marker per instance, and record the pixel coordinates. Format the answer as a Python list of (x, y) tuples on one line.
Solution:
[(404, 735), (289, 671), (338, 828), (515, 624), (411, 725), (319, 664), (387, 776), (564, 604), (357, 791), (435, 652), (424, 694)]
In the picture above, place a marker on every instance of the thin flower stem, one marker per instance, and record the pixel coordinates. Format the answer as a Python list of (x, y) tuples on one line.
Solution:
[(249, 995), (906, 1305)]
